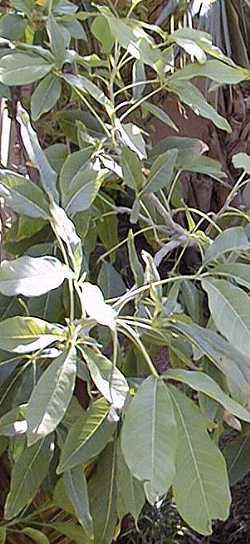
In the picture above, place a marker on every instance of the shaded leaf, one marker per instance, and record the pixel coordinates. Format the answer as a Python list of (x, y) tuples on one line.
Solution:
[(45, 96), (77, 490), (35, 535), (200, 469), (162, 172), (130, 492), (132, 169), (237, 455), (27, 475)]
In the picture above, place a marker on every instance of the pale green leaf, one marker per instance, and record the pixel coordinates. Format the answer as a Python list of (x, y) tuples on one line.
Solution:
[(26, 334), (32, 276), (77, 490), (238, 271), (232, 239), (199, 381), (216, 70), (131, 136), (51, 396), (65, 229), (150, 416), (86, 86), (132, 169), (12, 26), (107, 378), (135, 264), (45, 96), (47, 174), (160, 114), (57, 41), (230, 309), (200, 469), (83, 442), (23, 196), (242, 160), (27, 475), (100, 29), (23, 69)]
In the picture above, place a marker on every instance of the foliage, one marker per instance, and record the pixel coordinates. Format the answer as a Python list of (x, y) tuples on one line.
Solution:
[(93, 76)]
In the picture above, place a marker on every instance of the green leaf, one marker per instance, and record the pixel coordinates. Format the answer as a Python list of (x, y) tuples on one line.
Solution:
[(232, 239), (225, 357), (190, 95), (32, 276), (27, 475), (200, 469), (162, 172), (237, 455), (65, 229), (27, 334), (35, 535), (86, 86), (107, 378), (150, 416), (238, 271), (230, 310), (132, 169), (51, 396), (73, 532), (135, 264), (23, 196), (130, 492), (213, 69), (199, 381), (88, 436), (79, 182), (101, 30), (36, 154), (110, 281), (160, 114), (107, 227), (3, 535), (56, 155), (242, 160), (102, 495), (23, 69), (131, 136), (77, 490), (12, 26), (139, 79), (45, 96), (57, 41)]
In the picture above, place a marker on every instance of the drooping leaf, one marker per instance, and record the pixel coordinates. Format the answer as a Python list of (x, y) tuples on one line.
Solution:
[(110, 281), (102, 495), (214, 69), (32, 276), (130, 492), (45, 96), (23, 196), (160, 114), (23, 69), (36, 535), (85, 86), (132, 138), (83, 188), (3, 535), (84, 441), (232, 239), (135, 264), (225, 357), (237, 271), (237, 455), (162, 172), (72, 531), (199, 381), (77, 490), (51, 396), (36, 154), (230, 309), (26, 334), (150, 416), (100, 29), (108, 379), (28, 473), (200, 469), (190, 95)]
